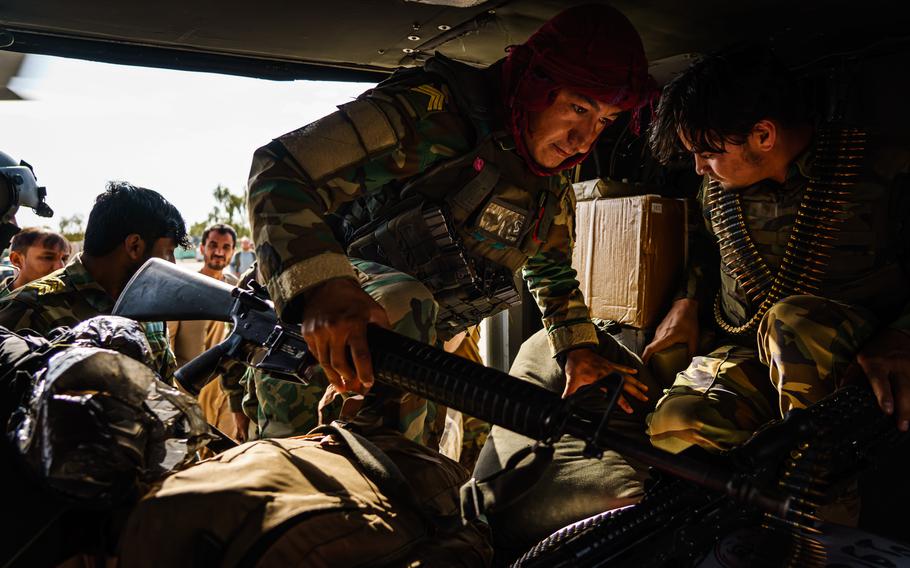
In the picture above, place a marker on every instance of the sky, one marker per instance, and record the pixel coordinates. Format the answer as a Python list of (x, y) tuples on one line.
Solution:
[(176, 132)]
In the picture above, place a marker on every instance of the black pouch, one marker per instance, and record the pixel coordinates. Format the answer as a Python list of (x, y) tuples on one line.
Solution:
[(420, 242)]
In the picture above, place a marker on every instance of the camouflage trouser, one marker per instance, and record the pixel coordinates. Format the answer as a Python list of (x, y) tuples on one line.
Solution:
[(804, 344), (279, 408), (461, 437), (282, 408)]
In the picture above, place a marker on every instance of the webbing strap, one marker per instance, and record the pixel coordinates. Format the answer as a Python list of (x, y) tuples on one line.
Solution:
[(390, 247), (382, 471), (469, 197)]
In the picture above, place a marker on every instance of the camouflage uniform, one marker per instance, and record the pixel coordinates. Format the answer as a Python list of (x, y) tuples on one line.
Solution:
[(282, 408), (6, 286), (68, 296), (474, 432), (277, 408), (385, 138), (803, 343)]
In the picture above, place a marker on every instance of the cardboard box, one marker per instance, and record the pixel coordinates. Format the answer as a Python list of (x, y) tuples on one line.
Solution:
[(630, 253)]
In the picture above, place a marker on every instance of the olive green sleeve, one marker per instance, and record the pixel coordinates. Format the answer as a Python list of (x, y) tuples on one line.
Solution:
[(300, 177)]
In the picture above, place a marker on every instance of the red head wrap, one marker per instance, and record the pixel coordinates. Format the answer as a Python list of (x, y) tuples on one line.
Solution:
[(592, 50)]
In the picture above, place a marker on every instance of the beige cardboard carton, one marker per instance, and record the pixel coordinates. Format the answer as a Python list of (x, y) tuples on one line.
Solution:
[(629, 254)]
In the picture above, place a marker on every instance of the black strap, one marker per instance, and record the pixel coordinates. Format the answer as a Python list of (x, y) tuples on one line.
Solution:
[(382, 471), (469, 197), (390, 248)]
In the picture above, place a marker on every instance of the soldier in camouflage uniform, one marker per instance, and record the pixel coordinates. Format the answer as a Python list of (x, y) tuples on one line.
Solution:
[(281, 408), (276, 407), (35, 252), (810, 220), (127, 226), (441, 184), (450, 424)]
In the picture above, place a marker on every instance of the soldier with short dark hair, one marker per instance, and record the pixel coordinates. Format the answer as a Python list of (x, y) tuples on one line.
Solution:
[(127, 226), (810, 219), (35, 252)]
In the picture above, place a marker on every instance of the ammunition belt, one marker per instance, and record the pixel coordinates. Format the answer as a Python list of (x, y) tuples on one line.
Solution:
[(821, 212)]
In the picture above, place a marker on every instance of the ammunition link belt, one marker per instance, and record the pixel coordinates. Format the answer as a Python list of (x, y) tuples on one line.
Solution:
[(838, 159)]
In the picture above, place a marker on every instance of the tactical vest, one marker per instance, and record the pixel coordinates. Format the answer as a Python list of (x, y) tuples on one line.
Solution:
[(466, 226)]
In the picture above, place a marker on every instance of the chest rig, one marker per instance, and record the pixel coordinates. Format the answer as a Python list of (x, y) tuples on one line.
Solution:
[(468, 224), (839, 154)]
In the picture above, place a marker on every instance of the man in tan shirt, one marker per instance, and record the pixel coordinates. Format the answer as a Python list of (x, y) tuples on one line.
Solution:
[(190, 338)]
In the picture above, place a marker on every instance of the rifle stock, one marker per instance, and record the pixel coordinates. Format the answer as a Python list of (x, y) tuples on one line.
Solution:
[(161, 291)]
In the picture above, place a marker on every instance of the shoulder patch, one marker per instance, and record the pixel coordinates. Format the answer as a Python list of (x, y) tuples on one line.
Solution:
[(436, 99)]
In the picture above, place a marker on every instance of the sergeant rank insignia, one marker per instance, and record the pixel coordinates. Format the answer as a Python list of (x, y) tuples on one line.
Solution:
[(437, 98)]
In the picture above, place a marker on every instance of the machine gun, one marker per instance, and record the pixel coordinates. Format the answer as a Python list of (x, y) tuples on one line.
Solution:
[(811, 454), (160, 290)]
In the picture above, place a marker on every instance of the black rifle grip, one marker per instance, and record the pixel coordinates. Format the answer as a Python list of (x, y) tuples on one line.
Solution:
[(199, 371)]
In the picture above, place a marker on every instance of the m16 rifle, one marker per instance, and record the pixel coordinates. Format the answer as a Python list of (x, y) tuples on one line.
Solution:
[(161, 290), (775, 483), (779, 479)]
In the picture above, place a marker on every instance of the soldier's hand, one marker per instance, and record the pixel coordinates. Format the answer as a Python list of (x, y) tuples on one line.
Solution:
[(679, 326), (585, 366), (886, 362), (334, 325), (241, 426)]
